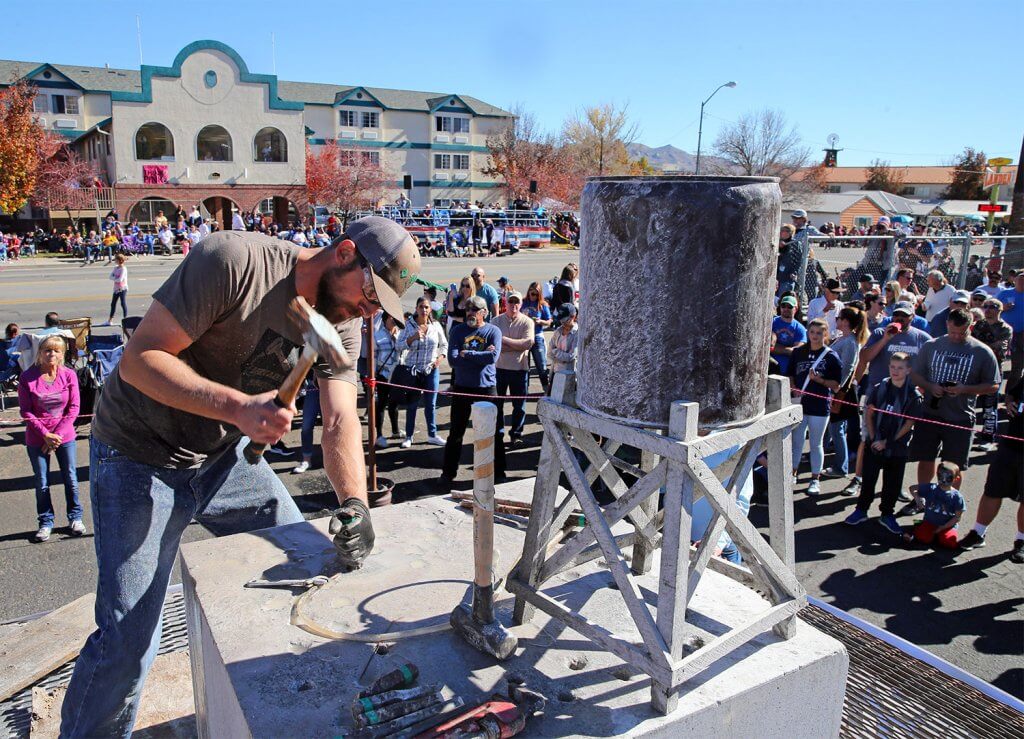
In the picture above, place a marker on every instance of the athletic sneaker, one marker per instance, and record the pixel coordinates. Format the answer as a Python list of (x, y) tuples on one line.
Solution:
[(972, 540), (910, 509), (814, 488), (382, 442), (830, 474), (279, 449), (853, 487), (1017, 553), (905, 497), (858, 516), (77, 527), (43, 534), (301, 467), (435, 440), (406, 442), (891, 524)]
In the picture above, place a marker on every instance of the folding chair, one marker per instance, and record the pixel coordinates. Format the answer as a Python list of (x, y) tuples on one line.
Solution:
[(128, 326), (9, 371), (82, 329)]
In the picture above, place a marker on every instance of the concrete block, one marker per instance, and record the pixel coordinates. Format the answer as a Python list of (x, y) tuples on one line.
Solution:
[(257, 675)]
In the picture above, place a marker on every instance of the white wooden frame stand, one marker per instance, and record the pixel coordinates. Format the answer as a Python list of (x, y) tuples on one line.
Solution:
[(676, 464)]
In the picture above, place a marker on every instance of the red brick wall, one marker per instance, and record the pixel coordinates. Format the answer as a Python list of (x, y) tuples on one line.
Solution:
[(246, 197)]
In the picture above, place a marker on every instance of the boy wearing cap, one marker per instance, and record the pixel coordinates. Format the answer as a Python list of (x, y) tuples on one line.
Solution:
[(789, 332), (827, 305), (197, 381), (473, 349)]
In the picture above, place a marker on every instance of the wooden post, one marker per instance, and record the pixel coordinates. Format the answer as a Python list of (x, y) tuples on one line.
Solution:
[(643, 548), (371, 402), (675, 552), (542, 513), (485, 418), (780, 489)]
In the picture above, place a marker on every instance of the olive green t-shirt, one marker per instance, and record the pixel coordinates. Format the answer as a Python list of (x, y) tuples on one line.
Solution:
[(231, 296)]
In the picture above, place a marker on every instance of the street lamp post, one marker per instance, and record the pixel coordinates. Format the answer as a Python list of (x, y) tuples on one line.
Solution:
[(700, 128)]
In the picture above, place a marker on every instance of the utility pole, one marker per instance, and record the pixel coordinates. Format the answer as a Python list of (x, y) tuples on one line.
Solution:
[(700, 128), (1014, 257)]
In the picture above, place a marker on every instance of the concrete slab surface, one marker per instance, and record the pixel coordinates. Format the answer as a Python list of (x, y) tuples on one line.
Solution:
[(284, 681)]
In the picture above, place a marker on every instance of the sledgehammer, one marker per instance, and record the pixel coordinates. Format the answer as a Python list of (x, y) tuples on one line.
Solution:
[(321, 339), (477, 624)]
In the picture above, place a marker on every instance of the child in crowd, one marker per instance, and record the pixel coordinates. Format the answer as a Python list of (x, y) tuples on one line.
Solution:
[(943, 508), (886, 441)]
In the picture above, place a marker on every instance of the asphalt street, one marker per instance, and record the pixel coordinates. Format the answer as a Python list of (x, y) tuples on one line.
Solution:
[(966, 607)]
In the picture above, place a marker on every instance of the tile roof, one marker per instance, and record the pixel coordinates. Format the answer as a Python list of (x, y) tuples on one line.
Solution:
[(911, 175), (127, 80)]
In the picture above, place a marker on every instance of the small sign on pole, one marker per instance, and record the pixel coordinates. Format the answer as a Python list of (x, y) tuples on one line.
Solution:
[(1000, 162), (991, 208), (997, 178)]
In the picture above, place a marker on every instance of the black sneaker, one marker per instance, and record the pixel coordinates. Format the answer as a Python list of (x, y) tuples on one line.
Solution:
[(910, 509), (973, 540), (278, 449), (852, 488), (1017, 553), (905, 497)]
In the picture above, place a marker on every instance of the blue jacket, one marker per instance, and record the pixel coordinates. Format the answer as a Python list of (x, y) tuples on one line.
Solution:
[(476, 367)]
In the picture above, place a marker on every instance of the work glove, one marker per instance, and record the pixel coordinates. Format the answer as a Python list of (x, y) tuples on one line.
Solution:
[(353, 532)]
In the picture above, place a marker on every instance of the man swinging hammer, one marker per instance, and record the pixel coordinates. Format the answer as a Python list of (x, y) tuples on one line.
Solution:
[(200, 374)]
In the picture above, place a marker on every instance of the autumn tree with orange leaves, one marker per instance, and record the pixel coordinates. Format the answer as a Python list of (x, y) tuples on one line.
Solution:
[(346, 180), (520, 155), (24, 147)]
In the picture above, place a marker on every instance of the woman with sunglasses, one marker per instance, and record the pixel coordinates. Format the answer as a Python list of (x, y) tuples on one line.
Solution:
[(536, 307), (425, 345), (456, 306)]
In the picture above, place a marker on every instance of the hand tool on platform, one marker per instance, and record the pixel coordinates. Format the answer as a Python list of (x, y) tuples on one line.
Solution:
[(401, 677), (321, 339), (309, 582), (476, 623), (376, 702), (386, 714), (407, 726), (498, 718)]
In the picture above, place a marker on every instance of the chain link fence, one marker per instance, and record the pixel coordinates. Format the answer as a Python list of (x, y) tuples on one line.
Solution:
[(964, 260)]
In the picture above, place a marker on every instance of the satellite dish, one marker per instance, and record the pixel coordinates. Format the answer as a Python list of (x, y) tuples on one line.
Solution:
[(832, 139)]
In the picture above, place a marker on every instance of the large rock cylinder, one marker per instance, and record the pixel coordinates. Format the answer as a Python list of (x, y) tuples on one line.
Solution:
[(676, 278)]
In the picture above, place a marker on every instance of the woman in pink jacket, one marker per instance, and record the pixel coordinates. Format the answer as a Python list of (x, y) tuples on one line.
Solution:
[(48, 396)]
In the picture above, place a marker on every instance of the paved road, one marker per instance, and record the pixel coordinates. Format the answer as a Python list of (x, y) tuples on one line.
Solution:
[(967, 607)]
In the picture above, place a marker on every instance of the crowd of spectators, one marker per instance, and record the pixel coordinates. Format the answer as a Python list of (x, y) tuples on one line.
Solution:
[(903, 373)]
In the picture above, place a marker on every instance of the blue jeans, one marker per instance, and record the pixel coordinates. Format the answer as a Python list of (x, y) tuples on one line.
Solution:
[(815, 426), (119, 295), (429, 400), (139, 515), (40, 460), (310, 412), (513, 382), (837, 433), (538, 355)]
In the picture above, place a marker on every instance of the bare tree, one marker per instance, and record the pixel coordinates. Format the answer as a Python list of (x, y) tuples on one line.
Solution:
[(763, 144), (599, 135)]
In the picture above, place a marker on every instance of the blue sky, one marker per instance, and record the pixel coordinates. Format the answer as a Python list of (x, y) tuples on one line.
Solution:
[(910, 81)]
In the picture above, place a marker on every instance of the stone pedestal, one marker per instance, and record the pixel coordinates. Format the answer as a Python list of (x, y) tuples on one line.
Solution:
[(257, 675)]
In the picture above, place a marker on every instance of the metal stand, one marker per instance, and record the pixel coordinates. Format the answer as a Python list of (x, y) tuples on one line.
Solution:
[(675, 464)]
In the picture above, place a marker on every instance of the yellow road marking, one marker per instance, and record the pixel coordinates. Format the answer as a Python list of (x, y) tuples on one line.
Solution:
[(26, 301)]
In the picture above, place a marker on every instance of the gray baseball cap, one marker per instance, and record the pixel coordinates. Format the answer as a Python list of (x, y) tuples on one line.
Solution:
[(903, 307), (390, 252), (961, 296)]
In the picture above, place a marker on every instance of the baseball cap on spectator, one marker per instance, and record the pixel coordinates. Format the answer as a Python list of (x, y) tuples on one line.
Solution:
[(979, 294), (961, 296), (563, 313), (476, 303), (514, 295), (799, 213), (503, 280), (833, 284), (788, 300), (883, 220), (867, 277), (903, 307)]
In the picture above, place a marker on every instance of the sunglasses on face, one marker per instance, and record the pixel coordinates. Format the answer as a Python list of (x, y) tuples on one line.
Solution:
[(989, 306)]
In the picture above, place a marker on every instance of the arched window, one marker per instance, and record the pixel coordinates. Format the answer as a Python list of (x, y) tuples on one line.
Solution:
[(270, 145), (213, 144), (153, 142)]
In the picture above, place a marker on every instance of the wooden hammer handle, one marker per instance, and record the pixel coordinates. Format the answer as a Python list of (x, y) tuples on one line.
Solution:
[(285, 398)]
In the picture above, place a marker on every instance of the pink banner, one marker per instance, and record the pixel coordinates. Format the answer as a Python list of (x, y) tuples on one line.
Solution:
[(154, 174)]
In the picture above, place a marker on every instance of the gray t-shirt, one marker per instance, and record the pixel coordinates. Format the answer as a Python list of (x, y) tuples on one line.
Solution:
[(231, 296), (943, 361), (909, 343)]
